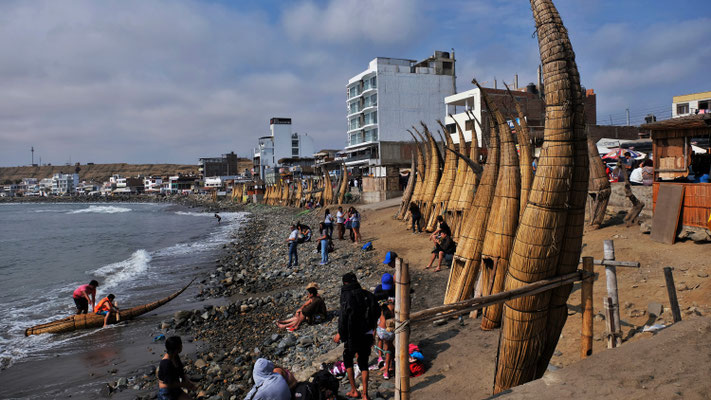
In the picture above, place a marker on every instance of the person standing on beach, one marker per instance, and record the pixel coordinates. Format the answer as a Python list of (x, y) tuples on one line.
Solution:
[(324, 243), (171, 373), (328, 222), (292, 241), (340, 220), (416, 216), (219, 219), (355, 224), (83, 295), (355, 329)]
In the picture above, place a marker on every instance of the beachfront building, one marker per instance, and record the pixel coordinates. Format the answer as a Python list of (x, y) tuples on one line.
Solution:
[(282, 143), (152, 184), (63, 184), (388, 98), (689, 104), (226, 165)]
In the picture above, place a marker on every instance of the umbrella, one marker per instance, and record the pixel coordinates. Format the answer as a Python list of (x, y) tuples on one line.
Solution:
[(617, 153)]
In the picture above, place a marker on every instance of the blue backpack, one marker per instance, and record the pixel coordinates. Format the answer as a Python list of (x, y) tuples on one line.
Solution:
[(367, 247)]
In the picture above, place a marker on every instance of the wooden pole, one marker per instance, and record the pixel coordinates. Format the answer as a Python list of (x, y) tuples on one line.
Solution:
[(586, 340), (610, 320), (671, 290), (611, 274), (402, 329), (631, 264)]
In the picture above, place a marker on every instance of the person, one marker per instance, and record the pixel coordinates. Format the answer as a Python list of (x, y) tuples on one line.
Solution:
[(636, 176), (313, 311), (349, 225), (107, 307), (85, 294), (171, 373), (385, 333), (219, 219), (355, 330), (416, 216), (647, 172), (328, 222), (323, 243), (340, 220), (390, 257), (269, 382), (444, 246), (442, 226), (386, 288), (293, 242), (304, 232), (355, 224)]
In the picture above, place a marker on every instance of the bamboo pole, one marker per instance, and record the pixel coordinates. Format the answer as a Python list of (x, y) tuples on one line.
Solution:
[(402, 329), (671, 290), (610, 321), (611, 274), (615, 263), (586, 294)]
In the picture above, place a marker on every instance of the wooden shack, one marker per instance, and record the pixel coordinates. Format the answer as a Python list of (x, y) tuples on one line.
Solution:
[(672, 154)]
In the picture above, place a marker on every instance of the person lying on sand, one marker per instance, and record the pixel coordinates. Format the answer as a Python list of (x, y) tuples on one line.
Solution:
[(171, 374), (107, 307), (444, 245), (83, 295), (313, 311)]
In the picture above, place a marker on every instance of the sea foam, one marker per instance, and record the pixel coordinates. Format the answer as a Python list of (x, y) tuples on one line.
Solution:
[(101, 210), (125, 270)]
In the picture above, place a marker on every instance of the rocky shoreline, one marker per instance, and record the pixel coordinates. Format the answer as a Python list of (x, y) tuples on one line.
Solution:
[(257, 287)]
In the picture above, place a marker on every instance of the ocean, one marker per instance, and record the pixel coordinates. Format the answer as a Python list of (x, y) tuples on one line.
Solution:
[(138, 252)]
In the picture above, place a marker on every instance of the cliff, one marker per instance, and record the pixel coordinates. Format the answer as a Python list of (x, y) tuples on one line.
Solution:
[(96, 172)]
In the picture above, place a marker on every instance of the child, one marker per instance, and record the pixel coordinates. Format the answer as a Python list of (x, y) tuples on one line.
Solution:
[(386, 336)]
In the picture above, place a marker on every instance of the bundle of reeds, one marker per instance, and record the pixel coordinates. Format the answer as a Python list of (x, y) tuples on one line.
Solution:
[(465, 265), (344, 185), (417, 194), (407, 193), (523, 136), (446, 183), (471, 182), (327, 188), (598, 189), (541, 236), (432, 176), (284, 194), (503, 220), (455, 207)]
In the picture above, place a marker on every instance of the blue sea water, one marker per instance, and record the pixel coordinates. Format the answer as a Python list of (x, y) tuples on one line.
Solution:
[(139, 252)]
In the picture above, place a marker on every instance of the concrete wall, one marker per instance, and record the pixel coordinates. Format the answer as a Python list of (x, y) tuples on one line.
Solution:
[(597, 132), (282, 141), (619, 201)]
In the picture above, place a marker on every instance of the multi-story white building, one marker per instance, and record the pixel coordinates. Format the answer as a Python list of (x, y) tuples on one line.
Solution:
[(152, 184), (390, 97), (64, 183), (695, 103), (280, 144)]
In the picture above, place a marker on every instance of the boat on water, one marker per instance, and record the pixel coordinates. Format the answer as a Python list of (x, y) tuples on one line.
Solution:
[(91, 320)]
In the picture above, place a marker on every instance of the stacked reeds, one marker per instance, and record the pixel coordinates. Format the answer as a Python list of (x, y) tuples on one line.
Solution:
[(453, 207), (548, 237), (598, 189), (523, 136), (284, 194), (417, 194), (407, 193), (465, 265), (471, 182), (446, 183), (432, 176), (503, 220), (327, 188), (464, 185), (344, 185), (299, 192)]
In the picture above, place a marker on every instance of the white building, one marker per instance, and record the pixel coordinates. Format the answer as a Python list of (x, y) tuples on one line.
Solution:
[(152, 184), (390, 97), (64, 183), (696, 103), (280, 144)]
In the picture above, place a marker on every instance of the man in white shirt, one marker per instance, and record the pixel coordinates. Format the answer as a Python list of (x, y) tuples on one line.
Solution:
[(636, 176), (292, 241), (339, 223)]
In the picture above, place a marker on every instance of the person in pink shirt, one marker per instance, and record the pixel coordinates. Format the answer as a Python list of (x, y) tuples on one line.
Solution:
[(85, 294)]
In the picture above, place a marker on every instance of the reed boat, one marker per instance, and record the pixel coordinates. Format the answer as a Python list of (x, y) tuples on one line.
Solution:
[(91, 320)]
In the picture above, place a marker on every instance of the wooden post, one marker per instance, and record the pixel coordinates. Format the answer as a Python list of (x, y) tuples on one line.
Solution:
[(586, 339), (671, 290), (611, 274), (610, 320), (402, 329)]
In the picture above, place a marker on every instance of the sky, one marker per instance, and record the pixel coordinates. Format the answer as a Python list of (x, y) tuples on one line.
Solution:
[(169, 81)]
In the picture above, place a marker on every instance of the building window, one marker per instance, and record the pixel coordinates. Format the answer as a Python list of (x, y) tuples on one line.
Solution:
[(295, 143), (682, 108), (294, 151), (371, 118), (354, 123), (371, 101), (371, 135), (355, 138), (354, 107), (354, 91), (704, 105)]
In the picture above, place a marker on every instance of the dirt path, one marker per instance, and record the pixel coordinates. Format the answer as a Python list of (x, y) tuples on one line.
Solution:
[(459, 353)]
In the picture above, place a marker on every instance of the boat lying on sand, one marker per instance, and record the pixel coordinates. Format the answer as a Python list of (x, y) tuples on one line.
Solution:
[(91, 320)]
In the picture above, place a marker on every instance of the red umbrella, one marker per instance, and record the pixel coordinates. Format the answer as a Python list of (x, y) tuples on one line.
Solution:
[(617, 153)]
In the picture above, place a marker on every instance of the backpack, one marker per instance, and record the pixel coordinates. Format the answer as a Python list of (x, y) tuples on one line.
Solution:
[(306, 391), (372, 310), (367, 247), (326, 381)]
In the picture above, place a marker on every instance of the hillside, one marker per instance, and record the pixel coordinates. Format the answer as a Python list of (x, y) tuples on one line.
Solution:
[(96, 172)]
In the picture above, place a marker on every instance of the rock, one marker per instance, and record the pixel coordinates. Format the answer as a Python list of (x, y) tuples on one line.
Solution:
[(150, 371), (200, 363), (700, 236), (105, 390), (599, 317), (243, 308), (681, 286), (205, 315), (645, 227), (558, 353), (182, 315), (121, 383), (439, 322), (306, 341), (702, 275), (655, 309), (232, 388), (165, 325)]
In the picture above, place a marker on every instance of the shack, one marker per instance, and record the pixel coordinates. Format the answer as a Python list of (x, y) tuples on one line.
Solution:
[(675, 162)]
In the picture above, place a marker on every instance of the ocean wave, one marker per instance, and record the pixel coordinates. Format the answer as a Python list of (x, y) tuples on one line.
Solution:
[(101, 210), (125, 270)]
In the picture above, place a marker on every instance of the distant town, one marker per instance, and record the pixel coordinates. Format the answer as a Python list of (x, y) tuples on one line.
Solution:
[(384, 105)]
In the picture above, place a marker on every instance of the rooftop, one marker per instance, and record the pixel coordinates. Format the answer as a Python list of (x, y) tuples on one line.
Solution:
[(698, 121)]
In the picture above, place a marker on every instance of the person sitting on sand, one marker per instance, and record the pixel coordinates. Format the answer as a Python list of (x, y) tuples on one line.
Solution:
[(444, 245), (305, 232), (107, 307), (83, 295), (313, 311), (269, 382), (386, 289), (293, 242), (171, 373), (442, 226)]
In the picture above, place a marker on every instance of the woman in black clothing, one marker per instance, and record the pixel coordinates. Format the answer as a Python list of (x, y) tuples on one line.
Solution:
[(171, 375), (416, 216)]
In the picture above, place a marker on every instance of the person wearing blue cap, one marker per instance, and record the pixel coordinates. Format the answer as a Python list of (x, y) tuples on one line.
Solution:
[(390, 257), (386, 288)]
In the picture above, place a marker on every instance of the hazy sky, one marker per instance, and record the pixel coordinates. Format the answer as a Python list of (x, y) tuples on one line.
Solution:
[(172, 80)]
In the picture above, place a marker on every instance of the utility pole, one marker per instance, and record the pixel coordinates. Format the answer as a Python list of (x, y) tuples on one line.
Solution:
[(610, 119), (33, 155), (628, 116)]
